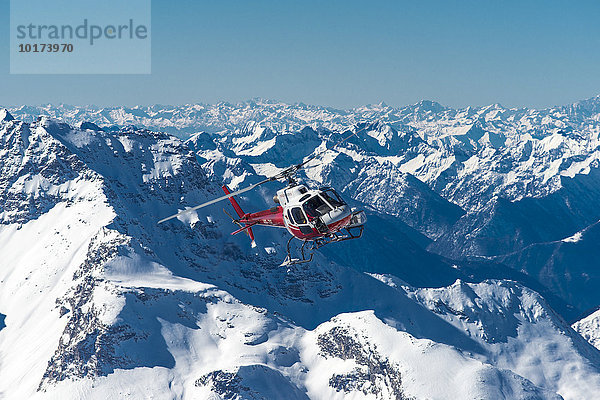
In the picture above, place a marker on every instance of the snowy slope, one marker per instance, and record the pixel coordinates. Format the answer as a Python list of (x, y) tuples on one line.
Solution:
[(589, 328), (519, 332), (101, 302)]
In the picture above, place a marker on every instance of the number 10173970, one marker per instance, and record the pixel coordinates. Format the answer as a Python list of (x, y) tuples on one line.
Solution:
[(45, 48)]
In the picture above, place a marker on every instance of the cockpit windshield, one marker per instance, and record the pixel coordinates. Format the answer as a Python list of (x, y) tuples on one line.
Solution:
[(315, 207), (332, 198)]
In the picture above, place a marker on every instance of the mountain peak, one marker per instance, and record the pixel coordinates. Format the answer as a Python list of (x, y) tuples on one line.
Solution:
[(89, 126), (428, 105), (5, 115), (586, 107)]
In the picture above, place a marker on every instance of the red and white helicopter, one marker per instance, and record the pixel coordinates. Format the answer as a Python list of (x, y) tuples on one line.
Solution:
[(315, 216)]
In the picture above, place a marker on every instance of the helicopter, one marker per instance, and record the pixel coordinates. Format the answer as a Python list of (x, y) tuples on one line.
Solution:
[(316, 217)]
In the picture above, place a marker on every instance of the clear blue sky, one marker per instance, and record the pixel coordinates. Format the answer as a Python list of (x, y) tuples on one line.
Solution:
[(345, 53)]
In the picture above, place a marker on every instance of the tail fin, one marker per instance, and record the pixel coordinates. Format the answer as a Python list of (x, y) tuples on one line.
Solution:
[(240, 213), (234, 203)]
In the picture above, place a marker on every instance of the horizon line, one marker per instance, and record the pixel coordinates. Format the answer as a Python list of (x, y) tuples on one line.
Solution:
[(298, 103)]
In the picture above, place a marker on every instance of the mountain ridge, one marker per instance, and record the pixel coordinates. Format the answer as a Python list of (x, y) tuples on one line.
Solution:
[(302, 114)]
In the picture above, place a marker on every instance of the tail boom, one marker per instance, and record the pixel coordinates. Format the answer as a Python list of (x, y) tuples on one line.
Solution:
[(271, 217)]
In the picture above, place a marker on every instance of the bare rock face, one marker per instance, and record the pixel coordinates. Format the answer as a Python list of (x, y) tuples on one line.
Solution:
[(373, 375)]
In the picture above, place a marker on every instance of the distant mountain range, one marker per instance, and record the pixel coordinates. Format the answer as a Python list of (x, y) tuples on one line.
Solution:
[(428, 117), (481, 242)]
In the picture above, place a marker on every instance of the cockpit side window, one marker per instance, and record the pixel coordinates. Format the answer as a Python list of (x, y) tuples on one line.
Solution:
[(298, 215), (333, 198), (315, 207)]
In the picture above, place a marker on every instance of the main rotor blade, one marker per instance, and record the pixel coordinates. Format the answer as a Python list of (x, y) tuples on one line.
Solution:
[(208, 203)]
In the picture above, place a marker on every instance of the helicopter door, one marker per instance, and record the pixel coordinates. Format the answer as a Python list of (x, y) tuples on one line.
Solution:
[(301, 221)]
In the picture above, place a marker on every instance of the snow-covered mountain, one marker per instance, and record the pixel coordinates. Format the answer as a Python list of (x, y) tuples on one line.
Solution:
[(98, 301)]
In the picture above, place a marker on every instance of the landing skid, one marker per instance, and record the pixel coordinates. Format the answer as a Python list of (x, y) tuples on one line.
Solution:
[(293, 261), (350, 233), (339, 236)]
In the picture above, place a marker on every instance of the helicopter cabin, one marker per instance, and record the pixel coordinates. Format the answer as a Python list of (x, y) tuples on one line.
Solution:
[(312, 212)]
